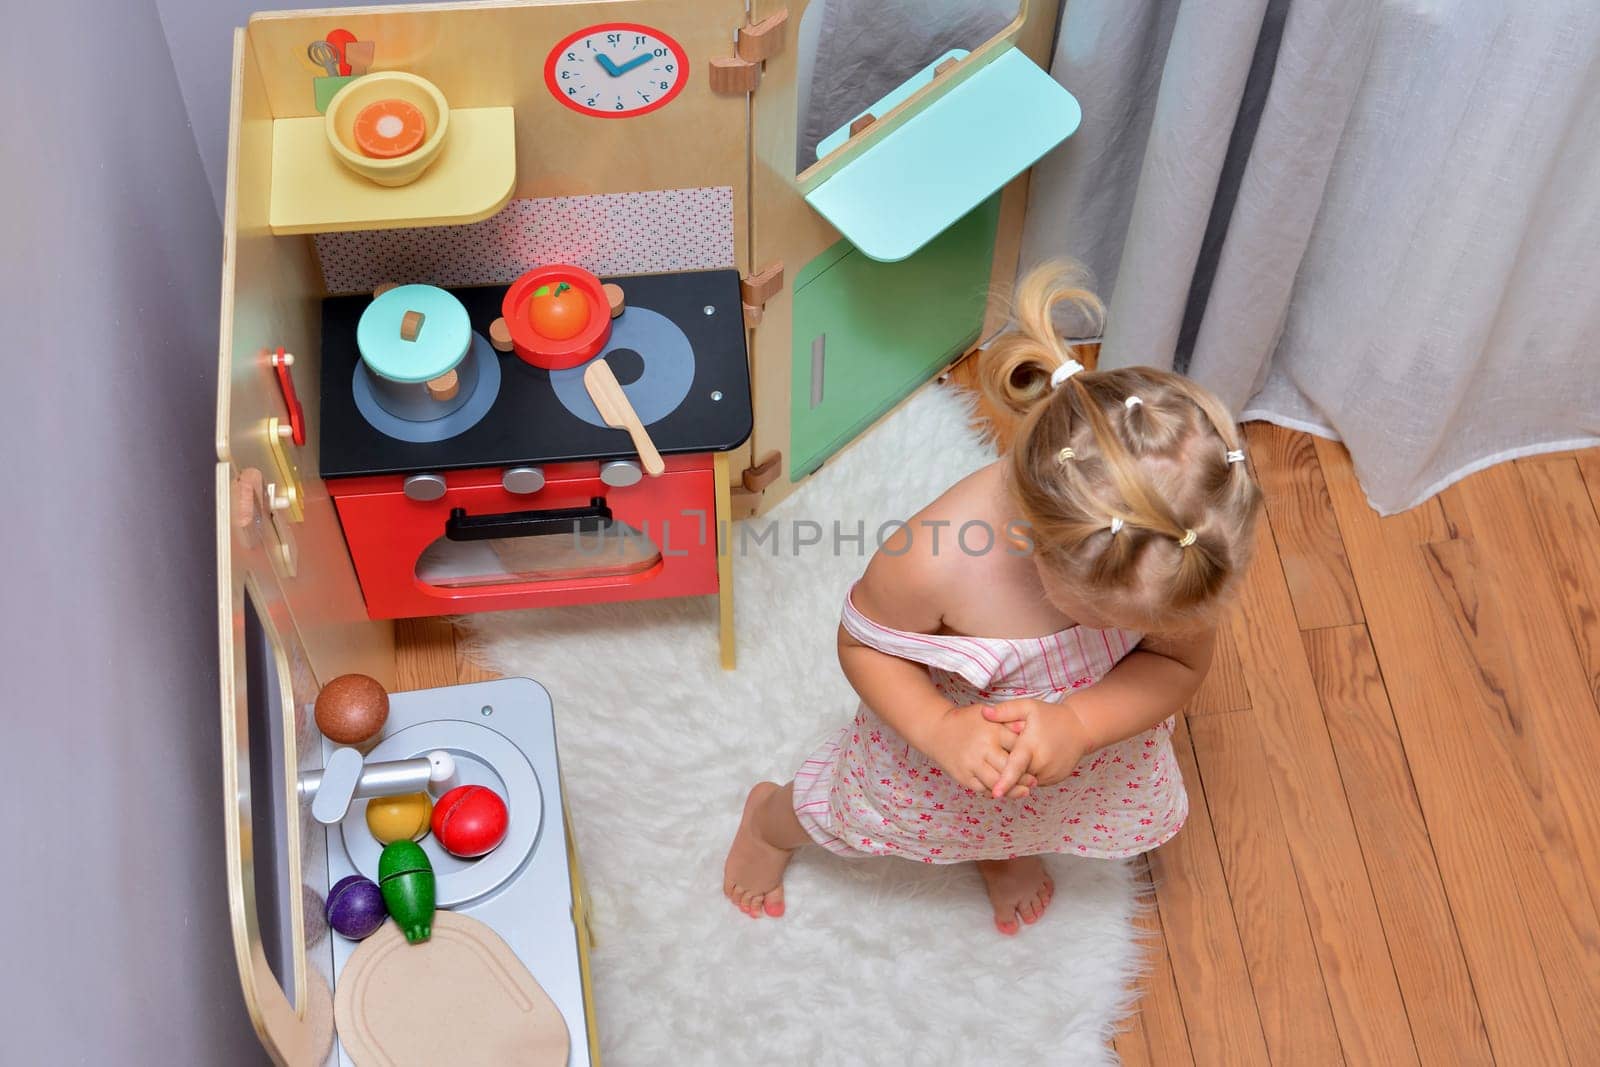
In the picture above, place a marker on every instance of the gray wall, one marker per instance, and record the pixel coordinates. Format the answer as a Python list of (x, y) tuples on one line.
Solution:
[(117, 947), (200, 35)]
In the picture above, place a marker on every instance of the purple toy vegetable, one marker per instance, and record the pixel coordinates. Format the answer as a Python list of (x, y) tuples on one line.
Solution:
[(355, 907)]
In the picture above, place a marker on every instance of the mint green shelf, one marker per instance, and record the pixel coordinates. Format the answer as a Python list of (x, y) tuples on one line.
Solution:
[(893, 99), (942, 163)]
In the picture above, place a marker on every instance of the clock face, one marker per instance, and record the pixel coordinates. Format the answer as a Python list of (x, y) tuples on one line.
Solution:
[(616, 70)]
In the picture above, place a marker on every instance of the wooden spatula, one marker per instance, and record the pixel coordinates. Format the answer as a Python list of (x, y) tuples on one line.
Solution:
[(618, 412)]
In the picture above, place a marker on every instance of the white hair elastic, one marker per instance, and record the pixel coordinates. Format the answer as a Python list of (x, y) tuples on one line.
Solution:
[(1132, 402), (1236, 456), (1063, 372), (1066, 455), (1187, 539), (1116, 525)]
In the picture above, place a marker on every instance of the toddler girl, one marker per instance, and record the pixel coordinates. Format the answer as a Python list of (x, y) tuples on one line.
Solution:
[(1020, 701)]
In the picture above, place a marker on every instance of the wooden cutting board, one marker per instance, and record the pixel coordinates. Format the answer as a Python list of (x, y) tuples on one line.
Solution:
[(460, 997)]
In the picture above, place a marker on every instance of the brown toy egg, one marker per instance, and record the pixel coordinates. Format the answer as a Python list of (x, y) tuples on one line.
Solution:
[(399, 818), (351, 709)]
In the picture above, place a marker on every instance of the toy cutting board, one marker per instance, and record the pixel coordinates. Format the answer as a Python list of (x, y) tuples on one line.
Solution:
[(460, 997)]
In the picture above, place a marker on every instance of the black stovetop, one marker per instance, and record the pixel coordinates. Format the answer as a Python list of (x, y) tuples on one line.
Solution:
[(527, 423)]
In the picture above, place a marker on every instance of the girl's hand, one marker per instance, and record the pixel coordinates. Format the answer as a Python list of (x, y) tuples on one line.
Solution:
[(974, 752), (1052, 742)]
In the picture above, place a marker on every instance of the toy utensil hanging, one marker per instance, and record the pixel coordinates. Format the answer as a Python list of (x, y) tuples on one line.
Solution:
[(325, 56), (615, 408)]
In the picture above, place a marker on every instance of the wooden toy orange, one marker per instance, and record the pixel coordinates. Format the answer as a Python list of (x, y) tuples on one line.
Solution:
[(559, 311), (540, 349), (389, 128)]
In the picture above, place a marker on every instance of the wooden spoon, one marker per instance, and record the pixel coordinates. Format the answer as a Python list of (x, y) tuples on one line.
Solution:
[(615, 408)]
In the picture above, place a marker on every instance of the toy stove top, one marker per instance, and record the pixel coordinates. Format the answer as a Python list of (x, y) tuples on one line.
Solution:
[(678, 349), (502, 735)]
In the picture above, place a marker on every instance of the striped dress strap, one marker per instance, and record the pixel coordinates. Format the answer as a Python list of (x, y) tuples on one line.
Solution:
[(972, 659)]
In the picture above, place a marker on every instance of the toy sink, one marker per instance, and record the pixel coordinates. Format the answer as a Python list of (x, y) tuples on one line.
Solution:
[(526, 893), (502, 735)]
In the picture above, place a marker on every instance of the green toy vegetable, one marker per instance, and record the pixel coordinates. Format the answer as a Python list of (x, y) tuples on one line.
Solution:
[(406, 878)]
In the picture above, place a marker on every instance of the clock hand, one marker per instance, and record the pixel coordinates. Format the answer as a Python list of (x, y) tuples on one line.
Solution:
[(606, 64), (636, 61)]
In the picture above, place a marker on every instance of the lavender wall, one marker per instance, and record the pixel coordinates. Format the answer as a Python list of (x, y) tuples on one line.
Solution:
[(200, 36), (116, 944)]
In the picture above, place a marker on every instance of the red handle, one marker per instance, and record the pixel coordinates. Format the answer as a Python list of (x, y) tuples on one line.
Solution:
[(297, 416), (340, 38)]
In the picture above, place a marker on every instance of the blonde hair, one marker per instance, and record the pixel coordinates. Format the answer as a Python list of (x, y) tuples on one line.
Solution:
[(1132, 479)]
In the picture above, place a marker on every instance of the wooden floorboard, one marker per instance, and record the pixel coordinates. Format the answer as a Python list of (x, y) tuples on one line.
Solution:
[(1362, 989), (1202, 936), (1393, 850), (1441, 1006), (1508, 610), (1262, 887), (428, 653), (1155, 1033), (1437, 697), (1569, 530), (1314, 565)]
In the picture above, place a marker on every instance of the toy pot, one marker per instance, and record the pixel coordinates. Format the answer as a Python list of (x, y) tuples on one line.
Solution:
[(551, 354), (414, 340), (347, 104)]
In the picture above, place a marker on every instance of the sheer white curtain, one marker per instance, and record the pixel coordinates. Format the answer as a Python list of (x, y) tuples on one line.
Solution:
[(1374, 219)]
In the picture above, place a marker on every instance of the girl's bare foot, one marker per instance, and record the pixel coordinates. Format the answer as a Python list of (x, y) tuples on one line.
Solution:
[(752, 877), (1019, 887)]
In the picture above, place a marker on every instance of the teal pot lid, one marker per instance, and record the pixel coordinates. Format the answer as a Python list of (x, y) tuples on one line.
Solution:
[(441, 343)]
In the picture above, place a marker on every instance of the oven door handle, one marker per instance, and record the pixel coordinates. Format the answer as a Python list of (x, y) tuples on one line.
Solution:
[(596, 518)]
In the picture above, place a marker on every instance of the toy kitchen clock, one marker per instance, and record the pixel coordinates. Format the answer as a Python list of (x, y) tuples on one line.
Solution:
[(616, 70)]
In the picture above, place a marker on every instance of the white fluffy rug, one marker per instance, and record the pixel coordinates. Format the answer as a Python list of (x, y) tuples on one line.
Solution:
[(878, 961)]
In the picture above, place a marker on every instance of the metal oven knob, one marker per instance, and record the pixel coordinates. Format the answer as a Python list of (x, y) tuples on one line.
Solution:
[(620, 473), (523, 480), (424, 487)]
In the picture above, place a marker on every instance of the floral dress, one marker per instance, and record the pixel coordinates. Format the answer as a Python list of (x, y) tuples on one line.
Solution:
[(867, 792)]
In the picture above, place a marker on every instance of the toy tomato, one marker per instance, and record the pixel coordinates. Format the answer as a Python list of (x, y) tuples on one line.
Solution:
[(470, 821), (559, 311)]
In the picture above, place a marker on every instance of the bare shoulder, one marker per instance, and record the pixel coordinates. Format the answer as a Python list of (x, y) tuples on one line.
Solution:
[(917, 573)]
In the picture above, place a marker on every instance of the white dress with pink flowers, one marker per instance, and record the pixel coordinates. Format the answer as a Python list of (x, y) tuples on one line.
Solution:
[(867, 792)]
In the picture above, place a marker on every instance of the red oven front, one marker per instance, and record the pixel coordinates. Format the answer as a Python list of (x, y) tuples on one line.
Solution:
[(480, 546)]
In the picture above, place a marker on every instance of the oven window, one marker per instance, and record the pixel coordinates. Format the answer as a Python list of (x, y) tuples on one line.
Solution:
[(610, 550), (268, 847)]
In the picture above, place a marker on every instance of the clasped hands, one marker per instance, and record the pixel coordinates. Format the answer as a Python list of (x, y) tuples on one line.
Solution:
[(1009, 748)]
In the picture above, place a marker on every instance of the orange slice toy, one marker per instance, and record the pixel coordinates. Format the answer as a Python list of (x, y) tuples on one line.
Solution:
[(388, 128)]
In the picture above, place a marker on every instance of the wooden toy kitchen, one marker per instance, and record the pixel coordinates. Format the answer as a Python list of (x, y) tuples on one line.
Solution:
[(524, 304)]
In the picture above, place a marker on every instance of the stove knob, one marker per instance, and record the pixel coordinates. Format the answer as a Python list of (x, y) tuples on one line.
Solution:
[(523, 480), (425, 487), (620, 473)]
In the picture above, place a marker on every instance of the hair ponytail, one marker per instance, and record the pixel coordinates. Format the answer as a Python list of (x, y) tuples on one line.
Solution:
[(1014, 369)]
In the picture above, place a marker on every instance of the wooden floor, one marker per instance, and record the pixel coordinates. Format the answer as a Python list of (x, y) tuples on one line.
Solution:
[(1393, 850)]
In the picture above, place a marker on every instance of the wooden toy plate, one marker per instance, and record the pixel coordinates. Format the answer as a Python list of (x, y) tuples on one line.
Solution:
[(460, 997)]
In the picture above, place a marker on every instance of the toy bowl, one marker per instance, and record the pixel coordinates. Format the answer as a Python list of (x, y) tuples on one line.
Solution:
[(347, 103), (532, 346)]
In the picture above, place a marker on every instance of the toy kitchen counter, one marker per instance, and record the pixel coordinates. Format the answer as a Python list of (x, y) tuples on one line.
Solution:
[(468, 478)]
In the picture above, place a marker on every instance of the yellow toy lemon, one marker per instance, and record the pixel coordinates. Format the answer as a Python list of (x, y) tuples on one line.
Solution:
[(399, 818)]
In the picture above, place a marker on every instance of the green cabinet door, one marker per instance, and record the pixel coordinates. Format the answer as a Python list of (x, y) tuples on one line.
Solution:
[(867, 333)]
